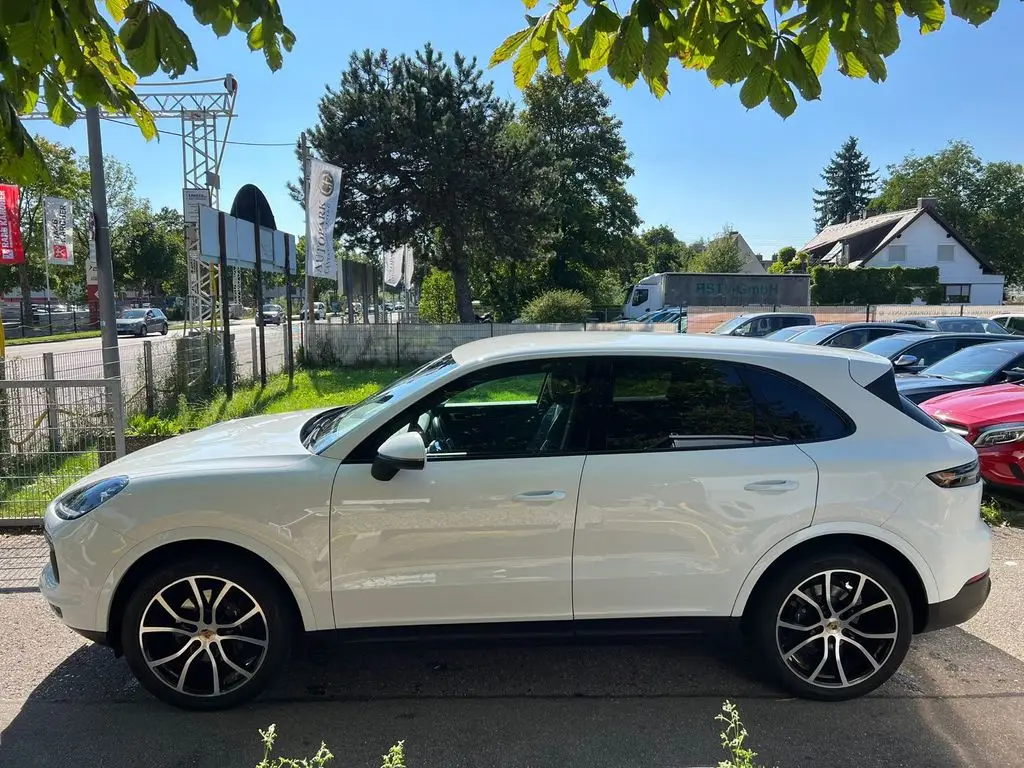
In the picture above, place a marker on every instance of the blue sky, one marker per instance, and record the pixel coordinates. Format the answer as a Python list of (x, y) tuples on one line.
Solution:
[(701, 159)]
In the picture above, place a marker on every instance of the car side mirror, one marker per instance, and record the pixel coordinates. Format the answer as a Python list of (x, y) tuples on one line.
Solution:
[(905, 361), (402, 451), (1014, 376)]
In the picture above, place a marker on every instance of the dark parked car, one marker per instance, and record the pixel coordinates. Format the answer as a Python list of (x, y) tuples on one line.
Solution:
[(141, 321), (913, 352), (978, 366), (785, 334), (271, 314), (849, 335), (956, 324), (761, 323)]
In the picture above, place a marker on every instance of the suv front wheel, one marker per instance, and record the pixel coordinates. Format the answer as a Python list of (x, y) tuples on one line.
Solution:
[(206, 633), (833, 626)]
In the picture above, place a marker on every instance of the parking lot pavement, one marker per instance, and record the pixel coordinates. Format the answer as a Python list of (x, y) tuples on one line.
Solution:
[(956, 702)]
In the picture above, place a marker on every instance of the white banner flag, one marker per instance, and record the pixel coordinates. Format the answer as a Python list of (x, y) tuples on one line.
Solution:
[(407, 276), (393, 267), (58, 230), (321, 208)]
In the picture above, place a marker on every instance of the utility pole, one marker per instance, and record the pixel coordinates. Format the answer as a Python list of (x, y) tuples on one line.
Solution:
[(304, 151), (104, 259)]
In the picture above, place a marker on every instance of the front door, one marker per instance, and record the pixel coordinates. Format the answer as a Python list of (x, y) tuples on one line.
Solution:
[(683, 490), (484, 532)]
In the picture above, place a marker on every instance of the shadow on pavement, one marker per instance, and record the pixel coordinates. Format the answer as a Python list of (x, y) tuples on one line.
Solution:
[(956, 702)]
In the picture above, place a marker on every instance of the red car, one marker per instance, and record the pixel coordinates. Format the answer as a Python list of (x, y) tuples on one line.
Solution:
[(992, 420)]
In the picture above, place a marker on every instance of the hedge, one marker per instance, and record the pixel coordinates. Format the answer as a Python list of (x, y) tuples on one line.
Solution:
[(832, 286)]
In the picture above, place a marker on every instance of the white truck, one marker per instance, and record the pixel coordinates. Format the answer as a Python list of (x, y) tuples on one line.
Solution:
[(698, 289)]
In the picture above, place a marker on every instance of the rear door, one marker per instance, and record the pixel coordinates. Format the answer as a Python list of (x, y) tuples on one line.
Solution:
[(684, 488)]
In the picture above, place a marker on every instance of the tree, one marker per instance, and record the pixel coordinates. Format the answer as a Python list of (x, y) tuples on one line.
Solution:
[(768, 47), (429, 156), (664, 251), (557, 306), (80, 59), (849, 184), (593, 212), (437, 298), (153, 245), (788, 260), (983, 201), (64, 178), (720, 255)]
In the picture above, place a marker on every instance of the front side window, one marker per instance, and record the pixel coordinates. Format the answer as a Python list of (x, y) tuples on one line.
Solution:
[(666, 404), (640, 296), (930, 352), (852, 339), (512, 410)]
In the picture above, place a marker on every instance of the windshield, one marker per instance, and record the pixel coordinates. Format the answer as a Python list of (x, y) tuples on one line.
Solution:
[(270, 307), (974, 364), (133, 314), (816, 334), (731, 325), (887, 346), (969, 325), (324, 435)]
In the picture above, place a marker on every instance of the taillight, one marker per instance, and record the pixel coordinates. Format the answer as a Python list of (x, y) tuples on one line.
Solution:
[(957, 477)]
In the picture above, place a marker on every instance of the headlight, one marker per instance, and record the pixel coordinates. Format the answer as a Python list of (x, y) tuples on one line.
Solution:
[(1001, 433), (86, 499)]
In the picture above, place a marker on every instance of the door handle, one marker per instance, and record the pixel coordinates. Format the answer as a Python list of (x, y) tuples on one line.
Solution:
[(772, 486), (539, 496)]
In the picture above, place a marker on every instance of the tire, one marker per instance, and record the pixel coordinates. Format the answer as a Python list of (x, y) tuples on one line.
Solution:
[(794, 656), (163, 331), (244, 668), (143, 330)]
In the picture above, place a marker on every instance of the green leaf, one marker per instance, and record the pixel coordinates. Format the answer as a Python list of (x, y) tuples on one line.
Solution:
[(780, 96), (116, 9), (530, 4), (755, 88), (851, 65), (525, 66), (574, 68), (782, 6), (247, 12), (554, 55), (655, 62), (60, 109), (272, 53), (791, 64), (974, 11), (255, 36), (732, 59), (627, 52), (930, 13), (511, 44), (287, 39), (814, 44), (140, 45)]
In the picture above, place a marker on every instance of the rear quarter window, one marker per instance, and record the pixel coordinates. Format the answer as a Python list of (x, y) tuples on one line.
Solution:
[(793, 412)]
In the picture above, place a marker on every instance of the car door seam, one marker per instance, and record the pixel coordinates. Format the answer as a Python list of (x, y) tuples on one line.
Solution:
[(572, 551)]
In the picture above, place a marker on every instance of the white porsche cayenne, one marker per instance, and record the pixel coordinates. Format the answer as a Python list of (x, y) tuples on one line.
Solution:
[(576, 482)]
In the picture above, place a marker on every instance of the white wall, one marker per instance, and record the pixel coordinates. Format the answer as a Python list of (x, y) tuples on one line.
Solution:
[(922, 239)]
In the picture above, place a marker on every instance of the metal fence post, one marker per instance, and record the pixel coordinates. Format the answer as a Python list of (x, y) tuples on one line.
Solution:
[(867, 313), (147, 359), (255, 355), (113, 387), (961, 310), (52, 416)]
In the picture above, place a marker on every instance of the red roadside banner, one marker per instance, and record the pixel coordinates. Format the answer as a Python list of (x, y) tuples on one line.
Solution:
[(11, 249)]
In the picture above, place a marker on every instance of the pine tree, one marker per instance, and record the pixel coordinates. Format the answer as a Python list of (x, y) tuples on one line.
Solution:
[(849, 185)]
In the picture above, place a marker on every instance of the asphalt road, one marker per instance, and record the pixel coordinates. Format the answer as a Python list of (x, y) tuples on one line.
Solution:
[(956, 702)]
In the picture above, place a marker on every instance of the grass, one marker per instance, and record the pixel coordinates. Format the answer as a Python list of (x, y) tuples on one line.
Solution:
[(311, 389), (26, 495), (56, 337), (999, 511)]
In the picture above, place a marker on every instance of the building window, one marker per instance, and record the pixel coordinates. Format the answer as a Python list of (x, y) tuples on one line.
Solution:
[(958, 294), (897, 253), (945, 253)]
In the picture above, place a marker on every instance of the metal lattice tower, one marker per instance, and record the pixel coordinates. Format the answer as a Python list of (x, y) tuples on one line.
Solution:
[(201, 156)]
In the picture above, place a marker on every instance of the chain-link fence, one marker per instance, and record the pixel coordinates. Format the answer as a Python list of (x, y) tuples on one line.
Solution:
[(399, 344), (705, 319)]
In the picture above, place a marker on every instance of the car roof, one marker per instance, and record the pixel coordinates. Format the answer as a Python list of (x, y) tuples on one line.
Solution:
[(749, 315), (581, 343), (912, 336), (947, 317), (879, 324)]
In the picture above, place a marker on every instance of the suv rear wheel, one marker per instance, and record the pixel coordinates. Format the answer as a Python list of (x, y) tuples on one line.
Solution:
[(206, 633), (833, 627)]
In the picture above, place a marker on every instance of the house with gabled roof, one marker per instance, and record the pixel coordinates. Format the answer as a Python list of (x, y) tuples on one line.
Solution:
[(917, 237)]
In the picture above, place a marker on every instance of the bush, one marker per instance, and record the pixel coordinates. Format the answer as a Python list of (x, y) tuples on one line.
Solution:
[(557, 307), (893, 285), (437, 299)]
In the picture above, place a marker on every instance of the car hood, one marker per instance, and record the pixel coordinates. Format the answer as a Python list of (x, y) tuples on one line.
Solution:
[(254, 442), (980, 407), (129, 320)]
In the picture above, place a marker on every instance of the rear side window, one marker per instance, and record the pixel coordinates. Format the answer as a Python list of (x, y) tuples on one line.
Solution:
[(792, 411), (671, 404)]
